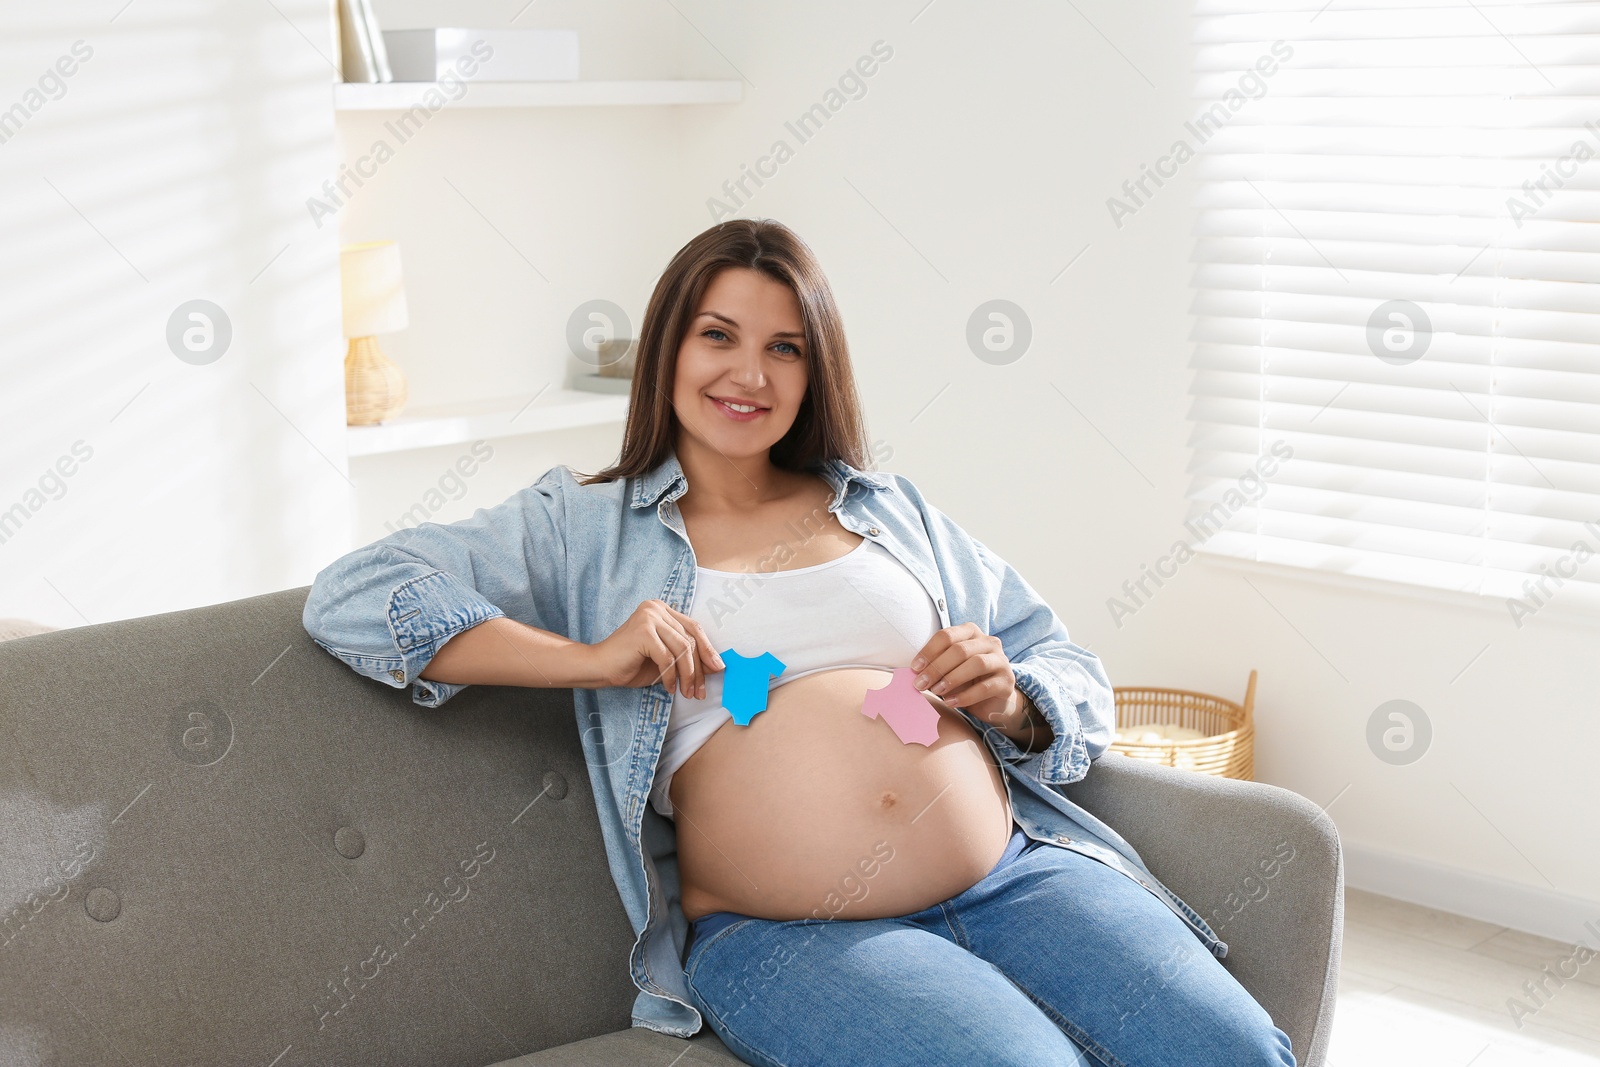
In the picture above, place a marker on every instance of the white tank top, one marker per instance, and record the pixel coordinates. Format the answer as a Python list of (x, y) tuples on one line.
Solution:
[(863, 609)]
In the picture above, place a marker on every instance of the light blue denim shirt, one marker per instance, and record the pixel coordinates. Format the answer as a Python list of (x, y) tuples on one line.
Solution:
[(578, 560)]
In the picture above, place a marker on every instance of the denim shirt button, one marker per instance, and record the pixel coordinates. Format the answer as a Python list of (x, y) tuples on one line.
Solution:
[(873, 530), (398, 676)]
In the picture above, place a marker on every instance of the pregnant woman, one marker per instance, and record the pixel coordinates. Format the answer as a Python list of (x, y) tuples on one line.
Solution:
[(822, 722)]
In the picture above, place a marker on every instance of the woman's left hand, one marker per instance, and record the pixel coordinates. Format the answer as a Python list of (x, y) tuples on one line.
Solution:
[(966, 667)]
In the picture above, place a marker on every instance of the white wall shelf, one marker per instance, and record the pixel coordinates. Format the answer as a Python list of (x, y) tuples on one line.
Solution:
[(399, 96), (450, 424)]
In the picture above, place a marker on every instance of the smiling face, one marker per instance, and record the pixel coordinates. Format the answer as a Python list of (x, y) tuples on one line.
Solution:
[(745, 348)]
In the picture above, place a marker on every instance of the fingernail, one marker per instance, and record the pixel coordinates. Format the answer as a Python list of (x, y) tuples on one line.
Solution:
[(917, 665), (922, 680)]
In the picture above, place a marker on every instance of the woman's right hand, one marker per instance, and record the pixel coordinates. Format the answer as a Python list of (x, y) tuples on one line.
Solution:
[(656, 643)]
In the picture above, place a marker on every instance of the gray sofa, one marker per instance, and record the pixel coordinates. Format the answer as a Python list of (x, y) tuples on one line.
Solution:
[(221, 846)]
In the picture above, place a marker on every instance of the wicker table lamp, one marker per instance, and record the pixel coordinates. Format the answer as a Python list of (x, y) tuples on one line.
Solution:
[(374, 303)]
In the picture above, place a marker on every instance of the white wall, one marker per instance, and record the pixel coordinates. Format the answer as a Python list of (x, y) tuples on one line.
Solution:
[(171, 165)]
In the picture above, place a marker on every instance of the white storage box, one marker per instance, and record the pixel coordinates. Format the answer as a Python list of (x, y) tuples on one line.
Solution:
[(513, 55)]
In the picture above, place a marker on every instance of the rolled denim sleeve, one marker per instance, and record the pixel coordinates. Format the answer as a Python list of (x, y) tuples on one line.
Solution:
[(386, 609), (1067, 683)]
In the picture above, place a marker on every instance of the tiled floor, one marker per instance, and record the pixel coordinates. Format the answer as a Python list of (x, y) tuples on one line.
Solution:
[(1424, 987)]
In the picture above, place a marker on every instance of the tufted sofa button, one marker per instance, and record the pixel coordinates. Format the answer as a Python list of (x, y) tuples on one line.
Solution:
[(102, 904), (349, 842), (555, 786)]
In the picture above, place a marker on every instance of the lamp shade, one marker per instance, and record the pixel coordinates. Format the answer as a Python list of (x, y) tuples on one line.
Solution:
[(374, 292)]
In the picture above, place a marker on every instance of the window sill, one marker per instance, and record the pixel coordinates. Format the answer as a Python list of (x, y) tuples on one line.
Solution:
[(1557, 609)]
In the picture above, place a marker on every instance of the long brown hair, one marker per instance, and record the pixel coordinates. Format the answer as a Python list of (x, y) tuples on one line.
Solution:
[(828, 425)]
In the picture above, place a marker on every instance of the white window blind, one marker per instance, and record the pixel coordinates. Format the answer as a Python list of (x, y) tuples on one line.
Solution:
[(1385, 161)]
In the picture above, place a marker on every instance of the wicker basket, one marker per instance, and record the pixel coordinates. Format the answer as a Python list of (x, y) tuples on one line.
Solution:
[(1228, 749)]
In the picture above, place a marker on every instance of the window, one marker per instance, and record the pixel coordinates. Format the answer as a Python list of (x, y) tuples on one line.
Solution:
[(1395, 310)]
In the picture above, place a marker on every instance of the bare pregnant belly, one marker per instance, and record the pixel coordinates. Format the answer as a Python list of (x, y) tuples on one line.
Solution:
[(816, 810)]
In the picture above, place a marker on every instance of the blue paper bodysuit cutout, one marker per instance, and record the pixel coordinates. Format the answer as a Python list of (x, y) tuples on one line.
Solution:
[(744, 683)]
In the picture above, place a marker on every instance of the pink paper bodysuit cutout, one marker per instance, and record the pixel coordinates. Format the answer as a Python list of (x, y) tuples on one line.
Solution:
[(905, 709)]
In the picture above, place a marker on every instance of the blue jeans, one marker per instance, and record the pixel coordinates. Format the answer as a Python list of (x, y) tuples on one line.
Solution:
[(1051, 958)]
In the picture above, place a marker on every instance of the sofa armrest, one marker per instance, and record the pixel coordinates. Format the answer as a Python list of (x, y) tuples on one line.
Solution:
[(1261, 864)]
